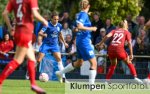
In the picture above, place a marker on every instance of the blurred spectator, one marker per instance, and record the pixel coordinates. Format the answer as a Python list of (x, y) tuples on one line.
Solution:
[(98, 23), (132, 27), (101, 35), (73, 50), (141, 24), (69, 42), (142, 43), (137, 20), (101, 60), (109, 26), (38, 43), (65, 18), (68, 50), (5, 46), (66, 30)]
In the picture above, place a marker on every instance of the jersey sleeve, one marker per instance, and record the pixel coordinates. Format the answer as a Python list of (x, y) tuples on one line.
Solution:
[(128, 36), (34, 4), (44, 29), (60, 27), (81, 18), (9, 6)]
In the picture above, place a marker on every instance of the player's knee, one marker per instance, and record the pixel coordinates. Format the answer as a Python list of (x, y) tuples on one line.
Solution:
[(58, 59), (77, 64), (39, 60)]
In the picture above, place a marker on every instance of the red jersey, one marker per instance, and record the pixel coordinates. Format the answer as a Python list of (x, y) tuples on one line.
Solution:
[(23, 13), (119, 36), (6, 47)]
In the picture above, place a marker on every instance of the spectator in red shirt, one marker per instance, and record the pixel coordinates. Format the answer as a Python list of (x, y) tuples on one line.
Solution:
[(5, 46)]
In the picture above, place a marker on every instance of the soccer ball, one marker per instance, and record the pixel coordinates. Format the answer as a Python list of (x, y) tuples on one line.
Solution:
[(43, 77)]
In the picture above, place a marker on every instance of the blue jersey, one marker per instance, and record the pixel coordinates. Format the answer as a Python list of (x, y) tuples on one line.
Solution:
[(52, 33), (83, 36), (85, 49)]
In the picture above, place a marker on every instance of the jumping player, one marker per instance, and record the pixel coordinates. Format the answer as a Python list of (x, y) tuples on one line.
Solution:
[(50, 43), (116, 49), (24, 10), (85, 51)]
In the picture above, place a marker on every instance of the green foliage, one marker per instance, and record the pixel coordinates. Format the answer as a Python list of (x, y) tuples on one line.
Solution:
[(2, 7), (146, 10), (116, 9), (47, 6)]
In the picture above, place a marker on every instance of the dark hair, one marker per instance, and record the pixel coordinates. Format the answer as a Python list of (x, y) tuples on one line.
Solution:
[(54, 14), (6, 33)]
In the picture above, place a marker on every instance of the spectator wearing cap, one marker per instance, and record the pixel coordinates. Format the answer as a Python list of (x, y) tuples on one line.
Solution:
[(102, 33)]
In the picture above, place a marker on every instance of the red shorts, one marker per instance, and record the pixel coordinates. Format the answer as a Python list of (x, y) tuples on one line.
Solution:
[(23, 37), (120, 55)]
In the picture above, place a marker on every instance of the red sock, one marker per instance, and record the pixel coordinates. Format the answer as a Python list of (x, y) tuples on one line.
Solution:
[(110, 71), (132, 69), (148, 76), (10, 67), (31, 70)]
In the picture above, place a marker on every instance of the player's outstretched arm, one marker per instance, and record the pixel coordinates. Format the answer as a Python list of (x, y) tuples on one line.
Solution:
[(39, 17), (104, 39), (6, 18), (81, 27)]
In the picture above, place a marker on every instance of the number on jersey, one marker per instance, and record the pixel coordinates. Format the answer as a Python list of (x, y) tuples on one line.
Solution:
[(19, 12), (117, 37)]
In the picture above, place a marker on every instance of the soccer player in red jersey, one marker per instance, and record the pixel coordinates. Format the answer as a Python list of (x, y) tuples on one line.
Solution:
[(24, 11), (116, 49)]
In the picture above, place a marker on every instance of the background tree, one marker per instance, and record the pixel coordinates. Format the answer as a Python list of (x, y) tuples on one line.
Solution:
[(2, 7), (146, 9), (114, 9)]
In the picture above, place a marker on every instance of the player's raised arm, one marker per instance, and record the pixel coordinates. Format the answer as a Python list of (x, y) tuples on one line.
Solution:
[(39, 17)]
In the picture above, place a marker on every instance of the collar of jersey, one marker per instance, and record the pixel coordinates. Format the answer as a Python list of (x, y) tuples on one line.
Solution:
[(52, 24)]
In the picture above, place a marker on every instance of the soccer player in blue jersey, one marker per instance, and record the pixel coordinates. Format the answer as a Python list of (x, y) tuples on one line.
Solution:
[(85, 50), (50, 42)]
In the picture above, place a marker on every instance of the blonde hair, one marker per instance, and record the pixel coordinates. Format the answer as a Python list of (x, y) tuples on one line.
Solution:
[(84, 4), (124, 24)]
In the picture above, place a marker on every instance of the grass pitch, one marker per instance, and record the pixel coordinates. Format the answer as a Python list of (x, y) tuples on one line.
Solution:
[(54, 87), (23, 87)]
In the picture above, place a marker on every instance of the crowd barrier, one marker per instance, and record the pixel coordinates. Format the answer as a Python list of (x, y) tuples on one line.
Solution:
[(49, 64)]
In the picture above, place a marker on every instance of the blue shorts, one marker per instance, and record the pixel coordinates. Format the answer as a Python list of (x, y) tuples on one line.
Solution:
[(85, 52), (46, 48)]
